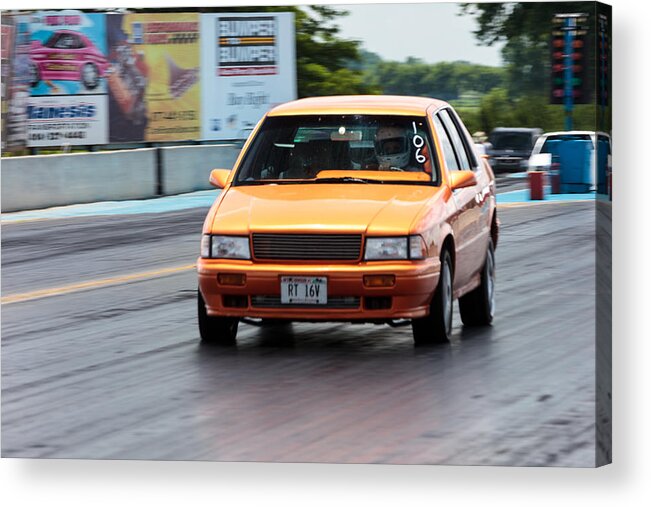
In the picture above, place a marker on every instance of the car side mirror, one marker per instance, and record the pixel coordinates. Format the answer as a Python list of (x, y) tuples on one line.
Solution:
[(462, 179), (219, 177)]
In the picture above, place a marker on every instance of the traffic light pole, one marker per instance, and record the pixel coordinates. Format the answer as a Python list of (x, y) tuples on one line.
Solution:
[(570, 28)]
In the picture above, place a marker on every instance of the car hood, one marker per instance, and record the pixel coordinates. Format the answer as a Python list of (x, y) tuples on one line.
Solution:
[(342, 208)]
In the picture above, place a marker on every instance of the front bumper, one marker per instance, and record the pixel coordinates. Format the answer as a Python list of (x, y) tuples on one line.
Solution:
[(349, 299), (508, 164)]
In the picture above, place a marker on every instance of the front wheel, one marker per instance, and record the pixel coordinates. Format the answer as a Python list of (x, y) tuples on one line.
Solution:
[(478, 307), (437, 326), (215, 330), (90, 76)]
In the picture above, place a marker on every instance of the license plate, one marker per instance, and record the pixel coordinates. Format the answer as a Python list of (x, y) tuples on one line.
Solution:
[(303, 290)]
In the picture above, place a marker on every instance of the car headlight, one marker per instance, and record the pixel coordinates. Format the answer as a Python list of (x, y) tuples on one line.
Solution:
[(395, 248), (225, 247)]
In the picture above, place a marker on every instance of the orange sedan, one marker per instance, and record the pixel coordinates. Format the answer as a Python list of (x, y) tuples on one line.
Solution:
[(356, 209)]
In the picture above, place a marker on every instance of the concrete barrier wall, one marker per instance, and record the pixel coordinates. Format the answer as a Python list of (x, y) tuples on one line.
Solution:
[(187, 168), (56, 180)]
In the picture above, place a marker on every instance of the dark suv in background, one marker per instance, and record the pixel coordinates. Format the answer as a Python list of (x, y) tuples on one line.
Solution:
[(510, 148)]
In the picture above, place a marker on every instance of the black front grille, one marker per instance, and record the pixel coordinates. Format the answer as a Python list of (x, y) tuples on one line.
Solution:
[(324, 247), (334, 302)]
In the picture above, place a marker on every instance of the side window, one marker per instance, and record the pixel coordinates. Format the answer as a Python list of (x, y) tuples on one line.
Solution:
[(456, 139), (446, 145), (466, 138)]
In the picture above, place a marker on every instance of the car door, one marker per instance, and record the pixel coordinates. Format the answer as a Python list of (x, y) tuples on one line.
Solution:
[(464, 222)]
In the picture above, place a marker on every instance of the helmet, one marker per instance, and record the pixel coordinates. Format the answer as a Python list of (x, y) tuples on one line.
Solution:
[(392, 147)]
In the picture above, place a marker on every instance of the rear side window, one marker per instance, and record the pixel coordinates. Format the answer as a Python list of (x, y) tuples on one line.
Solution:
[(446, 145), (464, 162)]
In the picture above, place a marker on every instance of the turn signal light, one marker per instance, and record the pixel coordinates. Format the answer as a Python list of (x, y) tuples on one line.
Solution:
[(231, 279), (379, 280)]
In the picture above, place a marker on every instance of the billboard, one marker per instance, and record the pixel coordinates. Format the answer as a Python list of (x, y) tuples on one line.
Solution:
[(67, 53), (15, 76), (68, 119), (247, 67), (154, 89), (6, 53), (67, 70)]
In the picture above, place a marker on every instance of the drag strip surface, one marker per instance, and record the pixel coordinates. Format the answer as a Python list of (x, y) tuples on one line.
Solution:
[(117, 371)]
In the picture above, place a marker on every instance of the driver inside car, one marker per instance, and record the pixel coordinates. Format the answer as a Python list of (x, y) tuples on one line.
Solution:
[(392, 149)]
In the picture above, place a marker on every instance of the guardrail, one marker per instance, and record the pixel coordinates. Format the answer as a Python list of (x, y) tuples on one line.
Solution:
[(43, 181)]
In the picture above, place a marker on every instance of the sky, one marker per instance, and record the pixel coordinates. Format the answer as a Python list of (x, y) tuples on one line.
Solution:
[(433, 32)]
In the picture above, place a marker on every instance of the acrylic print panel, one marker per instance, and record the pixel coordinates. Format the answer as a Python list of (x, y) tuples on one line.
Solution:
[(387, 204)]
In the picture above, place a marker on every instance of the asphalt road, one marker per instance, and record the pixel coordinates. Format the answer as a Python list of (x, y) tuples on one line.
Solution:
[(107, 362)]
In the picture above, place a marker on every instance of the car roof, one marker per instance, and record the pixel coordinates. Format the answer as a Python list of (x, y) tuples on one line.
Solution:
[(515, 129), (359, 104), (574, 133)]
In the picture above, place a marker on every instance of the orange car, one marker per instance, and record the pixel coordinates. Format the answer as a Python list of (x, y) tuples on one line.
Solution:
[(361, 208)]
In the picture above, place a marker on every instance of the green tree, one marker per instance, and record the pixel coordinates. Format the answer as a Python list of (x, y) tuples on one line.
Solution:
[(322, 57), (444, 80), (525, 28)]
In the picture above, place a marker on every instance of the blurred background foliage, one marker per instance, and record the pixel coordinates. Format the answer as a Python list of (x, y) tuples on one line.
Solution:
[(515, 94)]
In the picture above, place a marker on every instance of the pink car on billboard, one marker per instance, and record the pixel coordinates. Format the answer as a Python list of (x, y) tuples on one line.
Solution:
[(67, 56)]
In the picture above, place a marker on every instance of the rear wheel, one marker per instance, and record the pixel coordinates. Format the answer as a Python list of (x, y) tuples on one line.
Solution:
[(477, 307), (437, 326), (215, 330), (34, 75)]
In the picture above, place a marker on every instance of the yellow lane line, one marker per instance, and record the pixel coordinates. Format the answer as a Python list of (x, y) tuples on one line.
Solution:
[(93, 284)]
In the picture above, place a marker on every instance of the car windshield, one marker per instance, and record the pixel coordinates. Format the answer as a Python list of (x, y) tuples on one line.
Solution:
[(340, 148), (62, 41), (520, 141)]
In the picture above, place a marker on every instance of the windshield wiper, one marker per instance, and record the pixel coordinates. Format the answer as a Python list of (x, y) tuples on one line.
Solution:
[(344, 179), (347, 179)]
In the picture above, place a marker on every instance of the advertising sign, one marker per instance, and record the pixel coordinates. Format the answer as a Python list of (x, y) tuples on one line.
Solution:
[(66, 70), (71, 119), (247, 67), (6, 52), (15, 86), (154, 89), (67, 53)]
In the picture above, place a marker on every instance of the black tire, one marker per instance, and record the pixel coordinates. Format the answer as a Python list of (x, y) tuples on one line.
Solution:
[(90, 76), (34, 75), (437, 326), (215, 330), (478, 307)]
